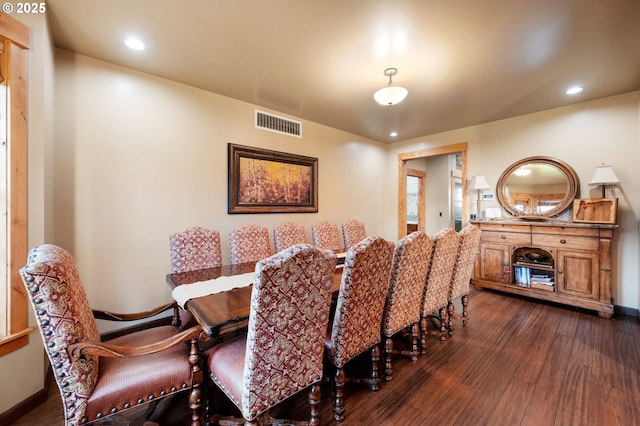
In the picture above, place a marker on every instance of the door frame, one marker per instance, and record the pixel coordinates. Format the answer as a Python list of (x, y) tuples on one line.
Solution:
[(421, 175), (403, 157)]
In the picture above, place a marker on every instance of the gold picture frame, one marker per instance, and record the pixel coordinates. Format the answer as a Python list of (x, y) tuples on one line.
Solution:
[(265, 181), (598, 210)]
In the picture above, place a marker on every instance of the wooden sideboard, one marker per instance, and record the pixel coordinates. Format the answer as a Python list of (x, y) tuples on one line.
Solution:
[(558, 261)]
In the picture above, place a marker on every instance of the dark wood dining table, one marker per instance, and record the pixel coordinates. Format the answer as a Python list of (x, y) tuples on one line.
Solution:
[(227, 311)]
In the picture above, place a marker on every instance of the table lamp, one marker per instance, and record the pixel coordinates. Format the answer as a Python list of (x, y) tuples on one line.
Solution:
[(605, 176), (478, 183)]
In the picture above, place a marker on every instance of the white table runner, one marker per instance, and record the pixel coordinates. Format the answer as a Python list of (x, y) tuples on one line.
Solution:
[(184, 292)]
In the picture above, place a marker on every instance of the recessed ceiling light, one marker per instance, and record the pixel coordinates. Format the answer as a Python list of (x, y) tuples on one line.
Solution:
[(393, 134), (573, 90), (134, 43)]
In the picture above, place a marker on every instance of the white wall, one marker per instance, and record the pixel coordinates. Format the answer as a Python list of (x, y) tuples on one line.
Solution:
[(139, 157), (584, 135)]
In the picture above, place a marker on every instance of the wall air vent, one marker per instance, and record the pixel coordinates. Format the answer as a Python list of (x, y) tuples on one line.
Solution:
[(282, 125)]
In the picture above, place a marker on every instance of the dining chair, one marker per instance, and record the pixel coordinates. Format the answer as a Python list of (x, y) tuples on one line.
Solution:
[(288, 234), (249, 243), (462, 272), (358, 316), (409, 269), (326, 236), (282, 352), (195, 248), (100, 379), (353, 231), (435, 296)]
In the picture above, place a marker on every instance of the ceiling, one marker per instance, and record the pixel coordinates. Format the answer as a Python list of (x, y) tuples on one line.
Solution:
[(464, 62)]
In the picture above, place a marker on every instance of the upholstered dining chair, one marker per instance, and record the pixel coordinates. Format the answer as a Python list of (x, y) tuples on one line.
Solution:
[(282, 352), (467, 250), (354, 232), (288, 234), (358, 316), (326, 236), (409, 269), (99, 379), (435, 296), (249, 243), (195, 248)]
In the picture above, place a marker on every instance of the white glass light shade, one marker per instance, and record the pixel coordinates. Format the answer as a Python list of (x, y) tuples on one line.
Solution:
[(390, 95), (479, 182)]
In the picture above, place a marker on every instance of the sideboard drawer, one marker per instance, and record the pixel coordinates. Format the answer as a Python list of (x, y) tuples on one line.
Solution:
[(566, 242), (513, 238)]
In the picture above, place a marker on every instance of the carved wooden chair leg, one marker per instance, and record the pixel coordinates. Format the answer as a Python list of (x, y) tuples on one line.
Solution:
[(424, 330), (338, 394), (465, 312), (314, 400), (443, 323), (375, 359), (195, 397), (415, 334), (388, 350), (449, 322)]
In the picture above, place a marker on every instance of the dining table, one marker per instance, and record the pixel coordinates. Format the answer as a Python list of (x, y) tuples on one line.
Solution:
[(226, 311)]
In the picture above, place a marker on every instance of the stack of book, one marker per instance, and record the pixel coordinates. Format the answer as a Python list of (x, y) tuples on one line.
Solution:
[(533, 278)]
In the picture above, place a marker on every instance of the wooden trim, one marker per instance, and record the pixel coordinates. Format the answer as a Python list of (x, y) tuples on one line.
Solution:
[(402, 178), (432, 152), (421, 175), (15, 31), (16, 37), (14, 341)]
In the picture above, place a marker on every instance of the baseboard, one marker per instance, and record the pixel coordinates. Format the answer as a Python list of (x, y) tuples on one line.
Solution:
[(623, 310), (19, 410)]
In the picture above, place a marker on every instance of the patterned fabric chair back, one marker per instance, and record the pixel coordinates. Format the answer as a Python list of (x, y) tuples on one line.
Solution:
[(64, 316), (354, 232), (468, 247), (443, 260), (326, 236), (358, 317), (249, 243), (195, 248), (409, 269), (288, 234), (290, 304)]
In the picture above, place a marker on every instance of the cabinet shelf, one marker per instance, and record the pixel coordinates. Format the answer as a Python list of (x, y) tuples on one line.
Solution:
[(538, 266)]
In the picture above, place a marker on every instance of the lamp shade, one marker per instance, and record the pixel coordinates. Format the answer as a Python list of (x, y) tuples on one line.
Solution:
[(478, 182), (390, 95), (604, 175)]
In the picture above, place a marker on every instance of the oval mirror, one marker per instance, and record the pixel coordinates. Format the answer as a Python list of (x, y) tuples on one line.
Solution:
[(537, 187)]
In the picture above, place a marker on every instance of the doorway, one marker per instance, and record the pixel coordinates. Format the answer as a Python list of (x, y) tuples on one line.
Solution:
[(403, 158)]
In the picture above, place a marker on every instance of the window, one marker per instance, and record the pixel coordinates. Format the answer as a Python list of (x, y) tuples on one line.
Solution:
[(14, 40)]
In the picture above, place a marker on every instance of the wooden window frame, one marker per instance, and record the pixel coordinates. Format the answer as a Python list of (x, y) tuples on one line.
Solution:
[(16, 39)]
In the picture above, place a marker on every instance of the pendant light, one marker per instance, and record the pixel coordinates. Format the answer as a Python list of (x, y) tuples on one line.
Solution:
[(391, 94)]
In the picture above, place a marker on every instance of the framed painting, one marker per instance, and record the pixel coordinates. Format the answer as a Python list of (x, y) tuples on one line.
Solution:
[(265, 181), (601, 210)]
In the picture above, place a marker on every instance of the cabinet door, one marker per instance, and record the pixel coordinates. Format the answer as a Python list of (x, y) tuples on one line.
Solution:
[(494, 262), (578, 274)]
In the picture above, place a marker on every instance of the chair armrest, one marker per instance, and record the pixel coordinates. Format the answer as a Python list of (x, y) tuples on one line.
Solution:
[(90, 347), (112, 316)]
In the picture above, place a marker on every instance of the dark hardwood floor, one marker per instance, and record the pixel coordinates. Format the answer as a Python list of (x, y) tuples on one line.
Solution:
[(518, 362)]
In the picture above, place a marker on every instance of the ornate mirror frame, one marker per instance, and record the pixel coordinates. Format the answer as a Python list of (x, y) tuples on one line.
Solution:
[(561, 207)]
